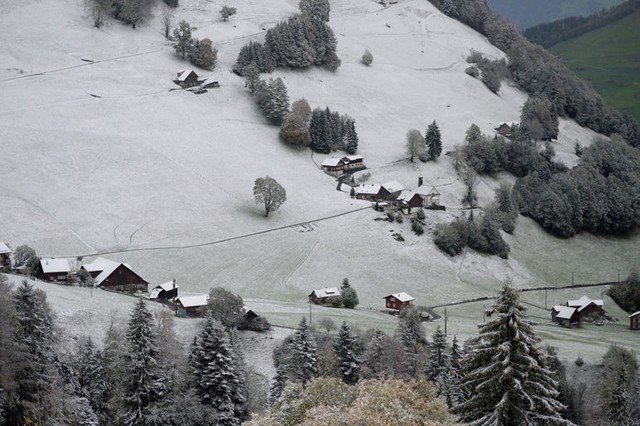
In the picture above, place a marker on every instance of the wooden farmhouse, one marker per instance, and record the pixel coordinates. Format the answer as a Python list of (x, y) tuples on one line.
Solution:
[(115, 276), (186, 78), (587, 308), (55, 270), (634, 321), (353, 163), (398, 301), (372, 192), (166, 291), (191, 306), (565, 315), (504, 130), (5, 253), (333, 166), (322, 296)]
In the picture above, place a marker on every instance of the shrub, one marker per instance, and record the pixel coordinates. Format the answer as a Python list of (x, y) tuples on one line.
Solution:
[(579, 361), (417, 227), (203, 55), (399, 217), (390, 214), (420, 214), (451, 238), (367, 58), (473, 71)]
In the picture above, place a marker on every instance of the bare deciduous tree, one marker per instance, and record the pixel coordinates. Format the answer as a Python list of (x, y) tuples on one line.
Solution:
[(167, 21)]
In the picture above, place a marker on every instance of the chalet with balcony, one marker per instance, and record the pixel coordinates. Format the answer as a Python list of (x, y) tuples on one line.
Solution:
[(333, 166), (398, 301), (373, 192), (634, 321), (55, 270)]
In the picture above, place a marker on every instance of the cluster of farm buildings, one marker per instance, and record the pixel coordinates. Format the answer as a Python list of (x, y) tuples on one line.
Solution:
[(394, 303), (391, 192)]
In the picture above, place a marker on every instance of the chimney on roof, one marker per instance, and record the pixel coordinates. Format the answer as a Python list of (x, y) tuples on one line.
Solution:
[(420, 180)]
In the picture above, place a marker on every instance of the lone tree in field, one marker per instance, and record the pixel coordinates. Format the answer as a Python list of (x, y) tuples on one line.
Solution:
[(505, 373), (433, 141), (226, 12), (367, 58), (415, 143), (269, 192)]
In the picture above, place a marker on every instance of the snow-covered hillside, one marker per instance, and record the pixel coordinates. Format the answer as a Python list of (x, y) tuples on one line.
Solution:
[(101, 156)]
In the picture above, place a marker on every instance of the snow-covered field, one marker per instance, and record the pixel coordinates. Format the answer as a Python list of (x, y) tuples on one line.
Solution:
[(101, 157)]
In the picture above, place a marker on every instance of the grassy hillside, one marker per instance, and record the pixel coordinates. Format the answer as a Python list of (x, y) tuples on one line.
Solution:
[(609, 58), (105, 157), (526, 13)]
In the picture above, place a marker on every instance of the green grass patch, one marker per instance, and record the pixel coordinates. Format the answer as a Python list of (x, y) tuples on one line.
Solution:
[(609, 59)]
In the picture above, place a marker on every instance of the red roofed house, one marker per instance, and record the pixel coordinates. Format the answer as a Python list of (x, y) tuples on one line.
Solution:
[(634, 321), (55, 270), (398, 301), (321, 296)]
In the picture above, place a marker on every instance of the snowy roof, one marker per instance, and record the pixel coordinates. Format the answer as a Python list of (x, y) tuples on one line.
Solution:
[(583, 302), (402, 296), (168, 286), (393, 186), (4, 249), (368, 189), (433, 191), (193, 301), (182, 75), (106, 271), (634, 314), (55, 265), (406, 195), (351, 158), (100, 264), (564, 312), (331, 162), (327, 292)]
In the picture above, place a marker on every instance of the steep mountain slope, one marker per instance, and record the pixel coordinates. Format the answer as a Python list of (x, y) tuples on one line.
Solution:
[(609, 59), (102, 156), (527, 13)]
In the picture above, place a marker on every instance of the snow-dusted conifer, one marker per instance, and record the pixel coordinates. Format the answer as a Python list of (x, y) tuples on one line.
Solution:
[(318, 133), (413, 340), (618, 384), (505, 373), (217, 381), (350, 136), (92, 378), (433, 140), (439, 358), (303, 354), (345, 351), (316, 9), (275, 104), (142, 382)]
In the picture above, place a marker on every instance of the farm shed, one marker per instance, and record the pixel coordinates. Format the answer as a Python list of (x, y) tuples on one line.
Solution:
[(565, 315), (166, 291), (398, 301), (120, 277), (55, 270), (191, 306), (412, 199), (5, 253), (634, 321), (186, 78), (321, 296), (588, 308)]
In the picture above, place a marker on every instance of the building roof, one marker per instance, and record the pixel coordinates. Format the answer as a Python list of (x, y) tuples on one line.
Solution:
[(372, 189), (4, 249), (168, 286), (331, 162), (326, 292), (583, 302), (634, 314), (352, 158), (393, 186), (564, 312), (98, 265), (433, 191), (50, 266), (402, 296), (184, 74), (193, 301), (406, 195)]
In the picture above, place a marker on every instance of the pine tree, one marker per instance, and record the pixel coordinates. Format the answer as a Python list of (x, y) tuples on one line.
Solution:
[(413, 340), (433, 141), (217, 381), (92, 379), (183, 42), (303, 354), (347, 360), (316, 9), (373, 359), (505, 373), (276, 104), (34, 378), (318, 132), (142, 382), (618, 385), (351, 136), (439, 359), (279, 383)]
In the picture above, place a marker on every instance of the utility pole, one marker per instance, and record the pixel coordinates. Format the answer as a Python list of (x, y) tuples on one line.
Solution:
[(545, 299), (618, 276), (572, 278), (310, 312)]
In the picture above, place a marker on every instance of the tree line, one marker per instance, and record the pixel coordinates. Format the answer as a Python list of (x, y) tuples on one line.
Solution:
[(551, 33), (541, 74)]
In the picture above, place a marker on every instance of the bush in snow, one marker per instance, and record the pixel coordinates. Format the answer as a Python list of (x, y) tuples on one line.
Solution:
[(367, 58)]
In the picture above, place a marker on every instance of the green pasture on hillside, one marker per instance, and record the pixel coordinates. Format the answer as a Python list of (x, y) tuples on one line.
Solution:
[(609, 59)]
